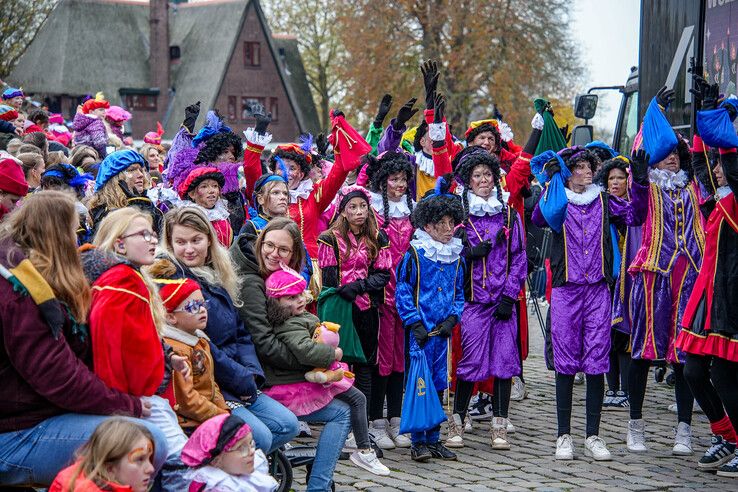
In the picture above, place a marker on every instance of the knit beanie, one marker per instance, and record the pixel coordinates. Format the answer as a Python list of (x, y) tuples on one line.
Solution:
[(12, 179), (284, 282), (7, 113)]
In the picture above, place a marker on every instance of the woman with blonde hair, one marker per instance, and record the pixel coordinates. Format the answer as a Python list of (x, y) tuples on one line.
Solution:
[(118, 457), (190, 239), (51, 404), (127, 318), (33, 167), (122, 180)]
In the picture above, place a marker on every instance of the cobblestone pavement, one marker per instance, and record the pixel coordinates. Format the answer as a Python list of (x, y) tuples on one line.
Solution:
[(530, 464)]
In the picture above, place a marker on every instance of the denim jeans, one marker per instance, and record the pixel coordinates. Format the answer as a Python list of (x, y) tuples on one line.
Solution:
[(337, 419), (272, 424), (34, 456)]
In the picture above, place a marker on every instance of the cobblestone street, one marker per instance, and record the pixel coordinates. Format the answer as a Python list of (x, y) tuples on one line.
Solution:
[(530, 464)]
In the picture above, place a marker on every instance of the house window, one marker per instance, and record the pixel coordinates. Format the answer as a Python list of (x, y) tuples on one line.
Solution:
[(246, 103), (141, 102), (232, 108), (274, 108), (251, 54)]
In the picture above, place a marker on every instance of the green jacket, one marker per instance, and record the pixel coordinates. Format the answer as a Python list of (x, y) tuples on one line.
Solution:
[(296, 333)]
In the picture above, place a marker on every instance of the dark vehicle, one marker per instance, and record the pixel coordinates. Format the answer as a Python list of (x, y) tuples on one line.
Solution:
[(672, 33)]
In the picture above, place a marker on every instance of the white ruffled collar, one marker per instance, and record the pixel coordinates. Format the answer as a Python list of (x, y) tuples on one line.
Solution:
[(216, 479), (303, 190), (722, 192), (424, 163), (397, 210), (668, 180), (586, 197), (479, 207), (436, 250), (218, 212)]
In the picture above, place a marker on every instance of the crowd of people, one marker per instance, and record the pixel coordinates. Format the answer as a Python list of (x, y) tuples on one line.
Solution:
[(172, 315)]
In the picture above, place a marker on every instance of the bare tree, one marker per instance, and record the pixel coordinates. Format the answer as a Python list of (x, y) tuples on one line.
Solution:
[(19, 24)]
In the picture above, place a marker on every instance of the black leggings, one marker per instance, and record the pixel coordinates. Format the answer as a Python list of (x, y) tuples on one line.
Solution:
[(638, 379), (363, 381), (500, 397), (564, 391), (390, 386), (617, 376), (697, 375), (725, 378), (357, 403)]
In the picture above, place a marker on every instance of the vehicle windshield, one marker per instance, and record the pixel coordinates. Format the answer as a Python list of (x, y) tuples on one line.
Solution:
[(629, 124)]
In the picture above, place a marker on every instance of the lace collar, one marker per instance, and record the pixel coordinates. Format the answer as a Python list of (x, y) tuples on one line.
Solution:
[(479, 207), (424, 163), (218, 212), (668, 180), (586, 197), (436, 250), (303, 190), (397, 210), (722, 192)]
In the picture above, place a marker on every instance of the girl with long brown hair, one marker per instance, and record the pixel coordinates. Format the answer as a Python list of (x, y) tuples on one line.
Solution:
[(354, 258), (44, 303)]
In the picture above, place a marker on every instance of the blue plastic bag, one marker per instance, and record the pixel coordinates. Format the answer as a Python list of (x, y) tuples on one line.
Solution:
[(554, 203), (715, 127), (421, 410), (659, 138)]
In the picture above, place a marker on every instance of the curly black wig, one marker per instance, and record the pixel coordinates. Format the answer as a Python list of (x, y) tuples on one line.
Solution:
[(436, 204), (574, 155), (300, 159), (217, 144), (471, 157), (602, 154), (419, 134), (484, 127), (378, 170), (603, 174)]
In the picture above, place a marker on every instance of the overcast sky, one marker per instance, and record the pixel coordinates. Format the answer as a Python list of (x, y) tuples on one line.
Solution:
[(607, 31)]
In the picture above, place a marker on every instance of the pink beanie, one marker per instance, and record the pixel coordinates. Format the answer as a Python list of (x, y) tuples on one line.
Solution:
[(284, 282), (213, 437)]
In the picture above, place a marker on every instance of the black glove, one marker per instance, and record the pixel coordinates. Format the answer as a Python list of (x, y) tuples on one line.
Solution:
[(262, 118), (439, 106), (639, 166), (446, 327), (421, 335), (351, 290), (664, 97), (337, 112), (429, 69), (504, 308), (384, 106), (405, 113), (191, 113), (481, 250), (322, 144), (732, 113)]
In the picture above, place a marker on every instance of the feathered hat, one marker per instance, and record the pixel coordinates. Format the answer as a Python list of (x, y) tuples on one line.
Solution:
[(67, 174), (438, 203), (98, 102), (300, 153)]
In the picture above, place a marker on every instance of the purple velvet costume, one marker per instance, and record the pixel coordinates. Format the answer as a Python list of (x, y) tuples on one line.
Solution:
[(581, 267), (621, 320), (664, 271), (490, 345)]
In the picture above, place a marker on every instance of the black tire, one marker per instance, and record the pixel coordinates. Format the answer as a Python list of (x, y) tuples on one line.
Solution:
[(281, 469)]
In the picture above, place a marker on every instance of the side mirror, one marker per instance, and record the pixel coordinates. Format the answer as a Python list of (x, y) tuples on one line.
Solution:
[(585, 106), (581, 135)]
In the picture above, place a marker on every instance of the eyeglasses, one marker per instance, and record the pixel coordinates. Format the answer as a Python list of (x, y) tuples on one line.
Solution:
[(246, 449), (282, 251), (147, 236), (193, 306)]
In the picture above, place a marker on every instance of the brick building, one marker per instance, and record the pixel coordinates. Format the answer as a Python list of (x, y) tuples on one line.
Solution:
[(154, 58)]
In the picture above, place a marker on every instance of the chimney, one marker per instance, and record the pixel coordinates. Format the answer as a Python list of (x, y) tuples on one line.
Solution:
[(159, 45)]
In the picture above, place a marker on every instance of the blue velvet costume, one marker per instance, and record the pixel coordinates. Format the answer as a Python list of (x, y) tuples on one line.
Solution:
[(438, 286)]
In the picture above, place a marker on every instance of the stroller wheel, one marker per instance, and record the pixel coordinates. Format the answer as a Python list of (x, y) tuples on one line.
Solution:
[(281, 469)]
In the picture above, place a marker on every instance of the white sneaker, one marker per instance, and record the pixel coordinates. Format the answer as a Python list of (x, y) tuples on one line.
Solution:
[(350, 444), (499, 433), (368, 460), (594, 447), (683, 440), (564, 448), (579, 378), (510, 427), (636, 438), (455, 437), (378, 431), (518, 392), (400, 440), (304, 430), (468, 427)]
